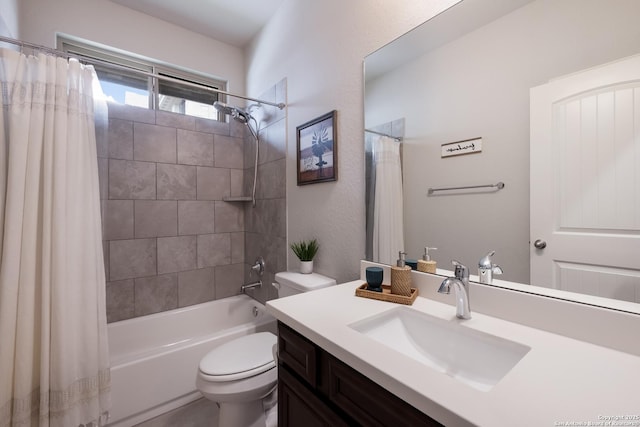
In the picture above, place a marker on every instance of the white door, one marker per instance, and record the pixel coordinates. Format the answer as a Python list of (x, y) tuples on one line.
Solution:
[(585, 182)]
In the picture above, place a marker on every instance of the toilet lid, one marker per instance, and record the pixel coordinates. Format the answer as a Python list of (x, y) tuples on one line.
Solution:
[(240, 358)]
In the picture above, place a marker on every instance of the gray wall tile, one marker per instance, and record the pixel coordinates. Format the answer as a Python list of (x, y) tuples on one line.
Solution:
[(128, 112), (195, 148), (272, 180), (103, 178), (195, 286), (228, 280), (175, 120), (212, 126), (120, 139), (268, 218), (228, 152), (237, 247), (156, 218), (213, 183), (102, 137), (237, 183), (196, 217), (118, 219), (229, 217), (214, 249), (155, 294), (132, 180), (273, 142), (237, 129), (176, 254), (176, 182), (105, 256), (154, 143), (132, 258), (120, 300)]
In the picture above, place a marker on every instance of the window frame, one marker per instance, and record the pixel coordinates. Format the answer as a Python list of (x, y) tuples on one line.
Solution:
[(106, 55)]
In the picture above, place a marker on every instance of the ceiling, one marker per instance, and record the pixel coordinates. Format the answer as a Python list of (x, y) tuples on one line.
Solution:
[(230, 21)]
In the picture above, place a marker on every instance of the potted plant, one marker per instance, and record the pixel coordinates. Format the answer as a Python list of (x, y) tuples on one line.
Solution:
[(305, 250)]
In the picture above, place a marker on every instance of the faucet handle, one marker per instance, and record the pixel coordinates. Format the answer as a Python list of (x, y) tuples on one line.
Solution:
[(461, 271), (485, 261)]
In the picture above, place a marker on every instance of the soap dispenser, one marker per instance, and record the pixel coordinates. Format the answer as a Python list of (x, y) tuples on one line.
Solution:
[(401, 277), (426, 264), (486, 268)]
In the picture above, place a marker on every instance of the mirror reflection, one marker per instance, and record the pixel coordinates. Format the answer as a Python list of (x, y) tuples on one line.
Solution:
[(469, 74)]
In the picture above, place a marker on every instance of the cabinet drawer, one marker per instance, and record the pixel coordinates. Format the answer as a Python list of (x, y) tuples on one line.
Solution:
[(298, 354)]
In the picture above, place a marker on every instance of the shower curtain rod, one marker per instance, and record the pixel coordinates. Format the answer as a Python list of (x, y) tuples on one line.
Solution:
[(397, 138), (122, 67)]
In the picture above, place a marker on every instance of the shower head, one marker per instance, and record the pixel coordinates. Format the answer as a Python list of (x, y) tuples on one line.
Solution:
[(239, 115), (235, 112)]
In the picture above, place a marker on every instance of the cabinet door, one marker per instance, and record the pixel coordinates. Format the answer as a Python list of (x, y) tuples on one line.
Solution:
[(298, 406)]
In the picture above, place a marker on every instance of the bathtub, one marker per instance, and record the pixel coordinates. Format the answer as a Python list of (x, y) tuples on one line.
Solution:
[(154, 358)]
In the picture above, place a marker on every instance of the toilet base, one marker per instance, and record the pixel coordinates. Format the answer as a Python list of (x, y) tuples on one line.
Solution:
[(247, 414)]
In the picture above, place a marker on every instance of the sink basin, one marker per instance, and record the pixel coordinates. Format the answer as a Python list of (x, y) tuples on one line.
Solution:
[(475, 358)]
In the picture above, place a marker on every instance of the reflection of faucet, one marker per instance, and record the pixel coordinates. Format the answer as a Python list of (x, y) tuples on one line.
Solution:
[(461, 285), (486, 269)]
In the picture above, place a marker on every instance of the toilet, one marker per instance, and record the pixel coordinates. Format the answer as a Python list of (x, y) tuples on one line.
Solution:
[(241, 375)]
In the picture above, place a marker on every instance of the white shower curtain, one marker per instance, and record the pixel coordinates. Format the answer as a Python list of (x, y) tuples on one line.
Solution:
[(388, 237), (54, 362)]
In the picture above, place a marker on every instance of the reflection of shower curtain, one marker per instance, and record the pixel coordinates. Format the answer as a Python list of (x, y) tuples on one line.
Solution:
[(388, 236), (54, 361)]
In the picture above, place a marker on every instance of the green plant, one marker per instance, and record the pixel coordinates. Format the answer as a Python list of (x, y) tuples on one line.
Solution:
[(305, 250)]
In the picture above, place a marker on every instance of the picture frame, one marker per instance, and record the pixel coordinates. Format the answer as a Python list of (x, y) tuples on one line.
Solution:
[(317, 149), (458, 148)]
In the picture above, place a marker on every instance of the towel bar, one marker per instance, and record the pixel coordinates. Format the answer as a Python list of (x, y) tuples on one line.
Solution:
[(499, 186)]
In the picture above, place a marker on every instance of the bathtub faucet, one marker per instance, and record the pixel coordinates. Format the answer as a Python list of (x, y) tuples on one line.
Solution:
[(257, 284)]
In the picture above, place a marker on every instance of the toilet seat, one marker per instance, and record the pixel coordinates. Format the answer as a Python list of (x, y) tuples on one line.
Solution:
[(240, 358)]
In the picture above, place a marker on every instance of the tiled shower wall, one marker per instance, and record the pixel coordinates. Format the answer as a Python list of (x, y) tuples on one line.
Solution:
[(169, 239)]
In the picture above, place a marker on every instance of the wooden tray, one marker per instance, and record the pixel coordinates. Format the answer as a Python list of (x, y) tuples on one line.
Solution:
[(386, 295)]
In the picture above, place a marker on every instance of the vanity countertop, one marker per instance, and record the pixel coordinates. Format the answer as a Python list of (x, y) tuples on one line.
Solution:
[(560, 381)]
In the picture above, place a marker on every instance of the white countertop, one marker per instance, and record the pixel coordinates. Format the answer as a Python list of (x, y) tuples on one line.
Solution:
[(560, 380)]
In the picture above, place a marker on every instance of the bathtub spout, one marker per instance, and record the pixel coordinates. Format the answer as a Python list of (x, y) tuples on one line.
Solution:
[(253, 285)]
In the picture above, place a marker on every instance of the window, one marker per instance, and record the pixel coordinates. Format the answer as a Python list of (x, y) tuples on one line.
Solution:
[(123, 84)]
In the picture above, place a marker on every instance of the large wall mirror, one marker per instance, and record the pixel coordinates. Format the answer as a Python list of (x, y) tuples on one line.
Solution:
[(471, 73)]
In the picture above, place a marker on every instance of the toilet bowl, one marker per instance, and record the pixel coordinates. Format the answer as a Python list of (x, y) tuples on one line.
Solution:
[(238, 375), (241, 375)]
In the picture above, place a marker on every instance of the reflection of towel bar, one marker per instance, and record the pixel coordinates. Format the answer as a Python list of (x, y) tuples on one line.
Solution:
[(499, 186)]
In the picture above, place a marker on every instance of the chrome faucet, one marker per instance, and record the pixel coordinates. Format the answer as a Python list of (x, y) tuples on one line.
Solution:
[(461, 285), (486, 268)]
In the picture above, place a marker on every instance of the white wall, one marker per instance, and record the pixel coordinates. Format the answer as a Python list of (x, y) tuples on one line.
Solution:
[(319, 46), (9, 18), (479, 85), (117, 26)]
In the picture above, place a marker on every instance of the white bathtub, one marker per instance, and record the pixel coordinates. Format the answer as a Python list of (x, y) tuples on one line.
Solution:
[(154, 359)]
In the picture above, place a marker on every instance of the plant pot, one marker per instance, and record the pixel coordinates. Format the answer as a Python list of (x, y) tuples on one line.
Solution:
[(306, 267)]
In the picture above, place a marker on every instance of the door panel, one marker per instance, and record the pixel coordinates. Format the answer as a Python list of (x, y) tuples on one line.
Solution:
[(585, 181)]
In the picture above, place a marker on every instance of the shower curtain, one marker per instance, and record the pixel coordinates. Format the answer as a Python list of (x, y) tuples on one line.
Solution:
[(388, 234), (54, 362)]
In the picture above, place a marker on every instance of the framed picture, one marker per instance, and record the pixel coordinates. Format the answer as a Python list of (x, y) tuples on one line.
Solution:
[(468, 146), (317, 150)]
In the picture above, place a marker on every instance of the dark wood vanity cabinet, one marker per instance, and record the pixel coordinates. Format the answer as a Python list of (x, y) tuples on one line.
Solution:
[(317, 389)]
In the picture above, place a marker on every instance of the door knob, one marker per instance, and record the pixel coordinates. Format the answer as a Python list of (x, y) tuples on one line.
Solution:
[(540, 244)]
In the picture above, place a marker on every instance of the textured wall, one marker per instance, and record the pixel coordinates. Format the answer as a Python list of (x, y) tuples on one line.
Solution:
[(319, 46), (111, 24)]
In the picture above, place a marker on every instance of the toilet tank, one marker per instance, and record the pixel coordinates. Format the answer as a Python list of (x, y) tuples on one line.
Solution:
[(291, 283)]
